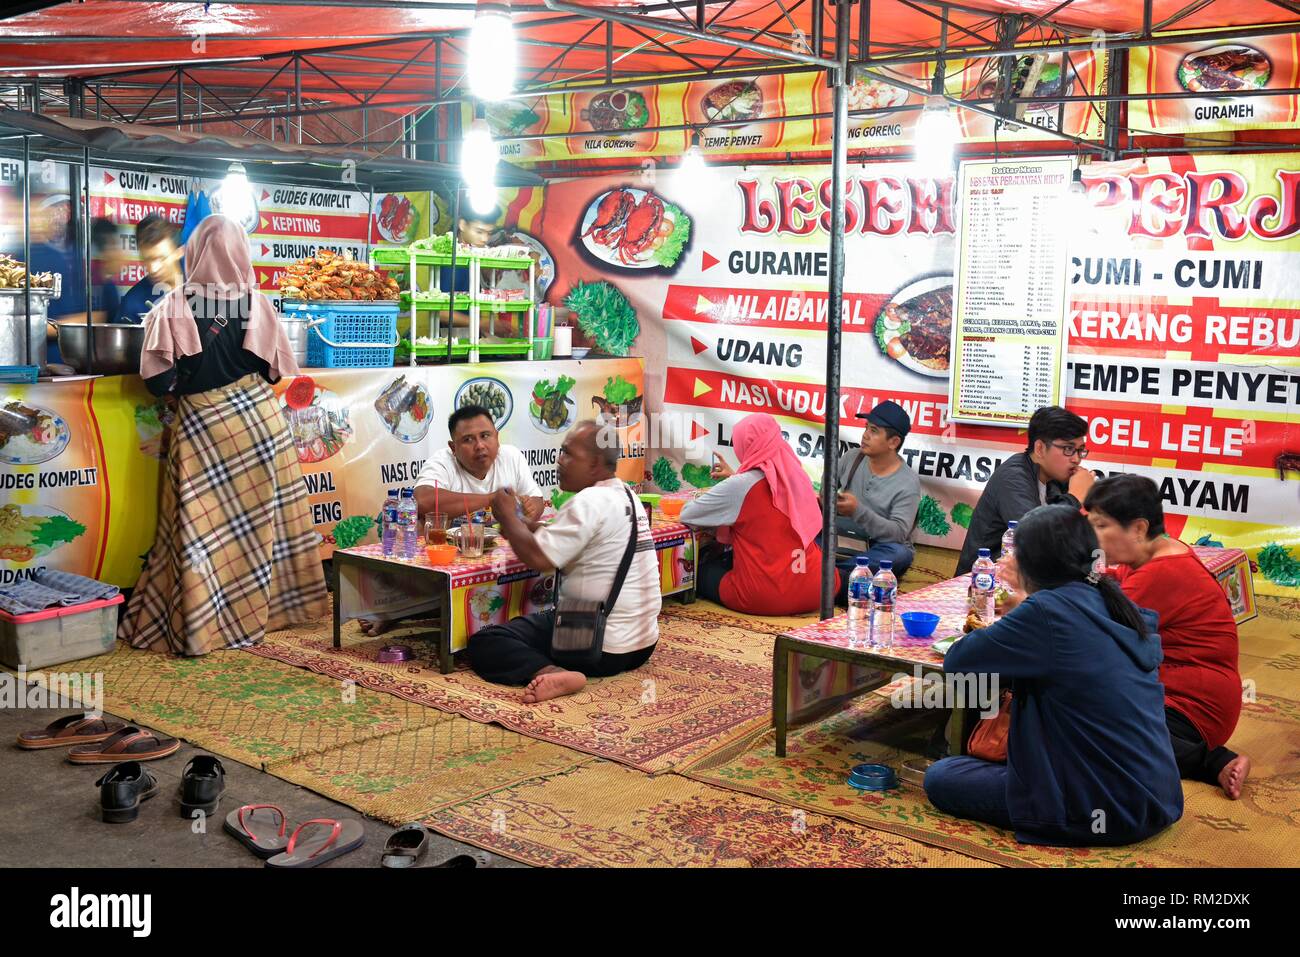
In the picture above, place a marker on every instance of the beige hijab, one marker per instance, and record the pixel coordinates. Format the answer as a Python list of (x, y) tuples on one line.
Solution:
[(217, 266)]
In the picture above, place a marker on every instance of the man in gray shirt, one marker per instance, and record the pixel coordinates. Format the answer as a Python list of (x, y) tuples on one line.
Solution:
[(878, 497)]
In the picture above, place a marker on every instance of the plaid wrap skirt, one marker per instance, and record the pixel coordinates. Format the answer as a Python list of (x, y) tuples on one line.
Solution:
[(236, 554)]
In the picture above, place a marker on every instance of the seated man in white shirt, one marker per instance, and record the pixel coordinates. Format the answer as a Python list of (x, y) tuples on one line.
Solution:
[(586, 543), (473, 467), (463, 477)]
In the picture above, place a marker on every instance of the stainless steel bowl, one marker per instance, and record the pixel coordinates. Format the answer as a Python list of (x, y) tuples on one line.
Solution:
[(117, 347)]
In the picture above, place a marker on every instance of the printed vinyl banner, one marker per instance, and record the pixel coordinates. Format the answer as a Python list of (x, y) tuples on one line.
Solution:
[(82, 458), (293, 222), (622, 122), (1216, 68), (1183, 327)]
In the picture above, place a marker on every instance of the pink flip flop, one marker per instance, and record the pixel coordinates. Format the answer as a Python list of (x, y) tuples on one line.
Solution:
[(338, 839), (267, 842)]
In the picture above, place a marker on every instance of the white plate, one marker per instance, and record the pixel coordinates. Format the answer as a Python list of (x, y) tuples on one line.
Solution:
[(569, 407), (39, 511), (604, 253), (390, 236), (22, 450), (406, 428), (906, 294), (496, 384), (545, 265)]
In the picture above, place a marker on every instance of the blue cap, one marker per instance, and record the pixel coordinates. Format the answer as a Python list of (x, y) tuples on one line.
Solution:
[(1012, 524), (984, 553), (862, 559), (886, 565)]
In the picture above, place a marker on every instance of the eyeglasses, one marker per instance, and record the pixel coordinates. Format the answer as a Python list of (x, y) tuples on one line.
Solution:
[(1071, 450)]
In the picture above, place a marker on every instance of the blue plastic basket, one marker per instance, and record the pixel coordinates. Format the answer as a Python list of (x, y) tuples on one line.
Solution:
[(348, 335)]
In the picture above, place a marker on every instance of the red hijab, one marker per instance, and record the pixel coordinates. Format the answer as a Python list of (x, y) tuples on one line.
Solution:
[(759, 444), (217, 265)]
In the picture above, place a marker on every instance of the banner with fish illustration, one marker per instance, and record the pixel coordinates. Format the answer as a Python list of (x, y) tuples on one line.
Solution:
[(1183, 327), (1232, 76), (82, 459), (790, 112)]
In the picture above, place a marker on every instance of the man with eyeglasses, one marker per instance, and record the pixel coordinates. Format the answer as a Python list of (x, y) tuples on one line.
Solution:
[(1049, 472)]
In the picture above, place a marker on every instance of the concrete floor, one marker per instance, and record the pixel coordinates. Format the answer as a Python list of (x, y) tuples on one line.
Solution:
[(51, 813)]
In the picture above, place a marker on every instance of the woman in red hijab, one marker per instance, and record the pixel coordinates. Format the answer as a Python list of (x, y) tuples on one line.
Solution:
[(235, 554), (768, 512)]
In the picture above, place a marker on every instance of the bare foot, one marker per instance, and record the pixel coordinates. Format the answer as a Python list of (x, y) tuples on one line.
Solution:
[(554, 684), (1234, 775), (374, 627)]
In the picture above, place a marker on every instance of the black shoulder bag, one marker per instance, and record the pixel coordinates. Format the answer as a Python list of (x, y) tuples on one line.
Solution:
[(578, 638), (206, 338)]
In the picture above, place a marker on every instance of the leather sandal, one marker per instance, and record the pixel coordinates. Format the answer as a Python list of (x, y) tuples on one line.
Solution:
[(405, 846), (122, 789), (77, 728), (202, 783), (334, 840), (263, 834), (128, 744)]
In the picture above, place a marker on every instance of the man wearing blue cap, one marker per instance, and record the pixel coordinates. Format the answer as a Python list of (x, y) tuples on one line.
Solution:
[(878, 495)]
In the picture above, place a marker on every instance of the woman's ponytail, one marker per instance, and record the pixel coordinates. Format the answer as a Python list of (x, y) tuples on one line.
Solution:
[(1120, 606)]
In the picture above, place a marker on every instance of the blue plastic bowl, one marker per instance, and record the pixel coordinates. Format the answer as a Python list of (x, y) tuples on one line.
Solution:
[(873, 777), (919, 624)]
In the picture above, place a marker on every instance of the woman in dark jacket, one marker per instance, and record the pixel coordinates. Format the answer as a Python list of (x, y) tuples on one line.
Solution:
[(1088, 756)]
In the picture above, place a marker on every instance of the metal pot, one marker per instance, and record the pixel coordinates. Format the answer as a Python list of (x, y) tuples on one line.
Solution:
[(22, 336), (117, 347)]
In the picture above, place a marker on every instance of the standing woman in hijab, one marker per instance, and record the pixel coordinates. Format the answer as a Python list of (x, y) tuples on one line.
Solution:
[(235, 553), (768, 512)]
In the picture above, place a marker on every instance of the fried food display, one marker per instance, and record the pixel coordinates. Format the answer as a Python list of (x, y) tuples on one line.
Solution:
[(327, 275)]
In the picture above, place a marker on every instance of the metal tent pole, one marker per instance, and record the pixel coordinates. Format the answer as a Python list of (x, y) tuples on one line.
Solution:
[(455, 243), (839, 156), (27, 255), (85, 246)]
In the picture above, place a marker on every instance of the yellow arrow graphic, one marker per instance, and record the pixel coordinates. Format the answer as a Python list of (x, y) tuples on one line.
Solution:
[(702, 305), (700, 388)]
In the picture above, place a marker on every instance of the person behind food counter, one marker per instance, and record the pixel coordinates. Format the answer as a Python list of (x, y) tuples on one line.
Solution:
[(475, 465), (1198, 633), (767, 512), (481, 231), (586, 543), (52, 251), (1089, 762), (235, 553), (162, 256), (877, 498), (1048, 471), (106, 260)]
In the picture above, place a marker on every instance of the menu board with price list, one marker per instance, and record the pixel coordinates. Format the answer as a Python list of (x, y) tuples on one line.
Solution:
[(1009, 299)]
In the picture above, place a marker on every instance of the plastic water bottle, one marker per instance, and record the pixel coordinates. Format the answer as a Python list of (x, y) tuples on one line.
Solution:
[(388, 523), (1009, 540), (859, 600), (983, 585), (408, 544), (884, 589)]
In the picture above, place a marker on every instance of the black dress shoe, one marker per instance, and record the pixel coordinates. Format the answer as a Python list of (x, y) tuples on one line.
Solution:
[(122, 789), (202, 783)]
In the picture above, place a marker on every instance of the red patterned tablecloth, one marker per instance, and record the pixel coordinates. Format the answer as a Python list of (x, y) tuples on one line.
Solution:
[(496, 563), (948, 600)]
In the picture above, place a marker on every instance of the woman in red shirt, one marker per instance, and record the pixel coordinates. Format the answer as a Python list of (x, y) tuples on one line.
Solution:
[(1197, 631), (768, 512)]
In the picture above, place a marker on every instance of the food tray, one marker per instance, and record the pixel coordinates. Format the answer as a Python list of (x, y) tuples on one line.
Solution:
[(348, 334), (516, 347)]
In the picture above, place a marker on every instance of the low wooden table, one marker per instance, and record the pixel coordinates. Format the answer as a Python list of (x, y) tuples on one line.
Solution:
[(829, 639), (470, 594)]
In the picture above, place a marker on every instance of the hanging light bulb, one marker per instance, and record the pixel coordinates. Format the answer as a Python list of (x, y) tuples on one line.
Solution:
[(936, 136), (492, 58), (234, 198), (482, 198), (478, 163), (1076, 200), (693, 172)]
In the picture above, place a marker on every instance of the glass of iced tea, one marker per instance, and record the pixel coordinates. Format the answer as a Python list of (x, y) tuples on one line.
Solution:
[(435, 530)]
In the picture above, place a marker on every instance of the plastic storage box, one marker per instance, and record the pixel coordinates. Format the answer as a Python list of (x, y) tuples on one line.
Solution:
[(56, 635), (352, 335)]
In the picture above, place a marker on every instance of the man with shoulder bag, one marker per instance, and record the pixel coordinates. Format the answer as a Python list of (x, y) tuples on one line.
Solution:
[(606, 619)]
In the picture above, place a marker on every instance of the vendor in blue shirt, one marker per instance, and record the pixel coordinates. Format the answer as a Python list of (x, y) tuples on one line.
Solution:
[(159, 250)]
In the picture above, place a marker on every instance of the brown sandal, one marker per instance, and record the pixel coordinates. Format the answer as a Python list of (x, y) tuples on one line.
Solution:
[(129, 744), (72, 729)]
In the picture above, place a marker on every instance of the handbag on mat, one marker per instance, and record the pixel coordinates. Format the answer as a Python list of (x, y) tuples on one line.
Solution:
[(988, 741), (578, 638)]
